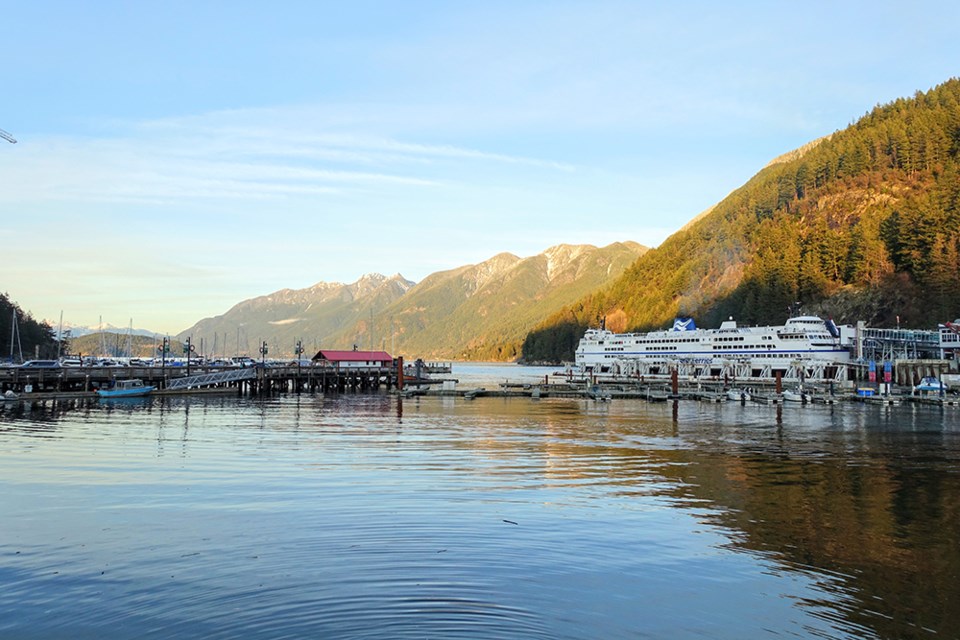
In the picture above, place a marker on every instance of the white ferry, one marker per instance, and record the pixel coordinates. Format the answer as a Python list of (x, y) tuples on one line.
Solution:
[(801, 338)]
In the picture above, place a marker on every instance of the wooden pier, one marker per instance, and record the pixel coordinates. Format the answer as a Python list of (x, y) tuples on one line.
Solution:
[(249, 380)]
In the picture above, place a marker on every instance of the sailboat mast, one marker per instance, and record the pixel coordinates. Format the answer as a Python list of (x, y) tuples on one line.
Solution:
[(15, 336), (103, 340), (60, 335)]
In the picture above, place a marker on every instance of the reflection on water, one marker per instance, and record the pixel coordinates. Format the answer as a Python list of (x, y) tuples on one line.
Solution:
[(371, 516)]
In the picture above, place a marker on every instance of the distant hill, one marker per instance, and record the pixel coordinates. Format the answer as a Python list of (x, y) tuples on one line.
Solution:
[(77, 331), (113, 344), (477, 311), (861, 224)]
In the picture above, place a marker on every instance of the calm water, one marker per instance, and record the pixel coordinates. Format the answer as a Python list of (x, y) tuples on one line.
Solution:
[(367, 517)]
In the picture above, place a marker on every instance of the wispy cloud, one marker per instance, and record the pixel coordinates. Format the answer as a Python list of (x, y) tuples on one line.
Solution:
[(234, 155)]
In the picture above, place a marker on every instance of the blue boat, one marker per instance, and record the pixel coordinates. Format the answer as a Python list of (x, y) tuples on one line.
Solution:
[(931, 384), (131, 388)]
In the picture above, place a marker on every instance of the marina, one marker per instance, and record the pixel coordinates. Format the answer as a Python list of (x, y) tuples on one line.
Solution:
[(805, 360), (91, 382)]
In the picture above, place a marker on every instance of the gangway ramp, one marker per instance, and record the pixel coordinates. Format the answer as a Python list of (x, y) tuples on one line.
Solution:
[(210, 379)]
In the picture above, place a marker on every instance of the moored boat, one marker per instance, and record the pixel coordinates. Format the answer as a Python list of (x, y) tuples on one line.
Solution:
[(741, 395), (132, 388), (805, 338), (931, 384), (790, 395)]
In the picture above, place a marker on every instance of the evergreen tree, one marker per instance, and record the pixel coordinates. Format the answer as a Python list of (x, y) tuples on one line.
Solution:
[(29, 337)]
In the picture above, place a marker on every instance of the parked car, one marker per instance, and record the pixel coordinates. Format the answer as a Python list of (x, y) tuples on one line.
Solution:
[(40, 364), (71, 362)]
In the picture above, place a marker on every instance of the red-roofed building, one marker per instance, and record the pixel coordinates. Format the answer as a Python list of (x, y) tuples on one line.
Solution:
[(353, 359)]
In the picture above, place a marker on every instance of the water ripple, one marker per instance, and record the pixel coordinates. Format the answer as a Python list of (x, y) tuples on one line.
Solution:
[(372, 517)]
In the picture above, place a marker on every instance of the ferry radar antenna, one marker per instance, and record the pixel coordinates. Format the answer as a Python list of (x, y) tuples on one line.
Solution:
[(6, 136)]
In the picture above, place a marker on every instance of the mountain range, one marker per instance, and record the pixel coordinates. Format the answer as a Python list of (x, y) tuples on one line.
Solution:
[(76, 331), (480, 311)]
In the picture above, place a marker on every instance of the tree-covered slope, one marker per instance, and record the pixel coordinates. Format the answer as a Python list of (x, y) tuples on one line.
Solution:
[(863, 224), (31, 338)]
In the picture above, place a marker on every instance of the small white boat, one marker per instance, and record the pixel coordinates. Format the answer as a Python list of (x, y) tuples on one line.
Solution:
[(789, 395), (132, 388), (9, 396), (741, 395)]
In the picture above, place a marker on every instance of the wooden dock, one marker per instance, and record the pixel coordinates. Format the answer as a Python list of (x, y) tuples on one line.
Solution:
[(248, 380)]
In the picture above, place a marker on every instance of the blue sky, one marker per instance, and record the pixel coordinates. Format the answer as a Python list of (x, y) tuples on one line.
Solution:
[(176, 158)]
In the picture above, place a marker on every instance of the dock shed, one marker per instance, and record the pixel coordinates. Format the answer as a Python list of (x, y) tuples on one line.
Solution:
[(353, 359)]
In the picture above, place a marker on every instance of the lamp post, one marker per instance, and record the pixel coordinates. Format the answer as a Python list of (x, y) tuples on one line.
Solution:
[(164, 349), (188, 349), (299, 351)]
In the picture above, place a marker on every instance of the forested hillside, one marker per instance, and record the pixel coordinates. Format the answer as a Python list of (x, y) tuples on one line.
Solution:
[(863, 224), (31, 338)]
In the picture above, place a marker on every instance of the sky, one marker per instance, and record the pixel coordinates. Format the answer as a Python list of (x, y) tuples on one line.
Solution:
[(176, 158)]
